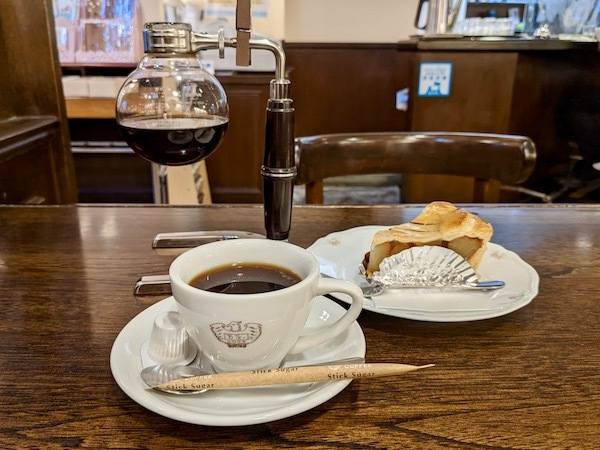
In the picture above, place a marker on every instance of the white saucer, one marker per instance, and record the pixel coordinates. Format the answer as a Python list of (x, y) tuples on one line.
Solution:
[(341, 253), (235, 406)]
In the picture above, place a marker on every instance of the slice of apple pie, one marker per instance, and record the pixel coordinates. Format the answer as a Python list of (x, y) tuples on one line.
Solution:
[(439, 224)]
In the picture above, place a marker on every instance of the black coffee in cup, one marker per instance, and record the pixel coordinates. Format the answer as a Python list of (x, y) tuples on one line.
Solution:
[(245, 278)]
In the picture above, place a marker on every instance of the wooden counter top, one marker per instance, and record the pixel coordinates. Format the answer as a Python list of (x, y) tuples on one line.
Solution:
[(492, 43), (528, 379), (90, 108)]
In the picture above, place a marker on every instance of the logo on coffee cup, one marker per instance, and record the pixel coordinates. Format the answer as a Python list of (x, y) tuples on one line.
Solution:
[(235, 334)]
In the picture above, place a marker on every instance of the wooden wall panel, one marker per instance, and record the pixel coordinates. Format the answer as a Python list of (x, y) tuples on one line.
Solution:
[(31, 88), (514, 92), (234, 169), (27, 168), (480, 98), (335, 88), (348, 87)]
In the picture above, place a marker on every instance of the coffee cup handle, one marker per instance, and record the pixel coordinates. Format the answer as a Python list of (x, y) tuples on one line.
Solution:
[(327, 286)]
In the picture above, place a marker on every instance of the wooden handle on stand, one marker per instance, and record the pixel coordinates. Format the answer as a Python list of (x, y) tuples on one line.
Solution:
[(243, 26)]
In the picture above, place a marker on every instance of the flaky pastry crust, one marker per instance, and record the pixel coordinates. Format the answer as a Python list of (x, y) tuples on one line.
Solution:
[(440, 223)]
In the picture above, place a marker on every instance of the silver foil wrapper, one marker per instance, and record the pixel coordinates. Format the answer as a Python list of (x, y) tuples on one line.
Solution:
[(424, 266)]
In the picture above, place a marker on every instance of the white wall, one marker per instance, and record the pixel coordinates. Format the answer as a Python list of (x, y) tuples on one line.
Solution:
[(272, 26), (378, 21), (152, 10)]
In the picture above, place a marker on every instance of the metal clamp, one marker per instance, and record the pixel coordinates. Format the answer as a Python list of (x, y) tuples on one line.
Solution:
[(221, 39)]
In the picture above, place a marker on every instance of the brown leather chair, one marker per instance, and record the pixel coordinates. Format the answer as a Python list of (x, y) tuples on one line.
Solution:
[(484, 157)]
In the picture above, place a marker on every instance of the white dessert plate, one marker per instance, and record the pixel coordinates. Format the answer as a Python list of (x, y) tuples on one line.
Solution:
[(342, 252), (234, 407)]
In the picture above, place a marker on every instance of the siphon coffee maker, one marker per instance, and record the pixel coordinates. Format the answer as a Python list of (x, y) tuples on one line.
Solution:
[(173, 112)]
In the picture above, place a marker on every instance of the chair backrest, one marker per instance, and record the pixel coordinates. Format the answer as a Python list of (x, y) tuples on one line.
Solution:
[(483, 156)]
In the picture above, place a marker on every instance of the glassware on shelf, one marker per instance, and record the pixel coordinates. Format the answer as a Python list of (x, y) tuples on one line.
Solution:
[(66, 21), (98, 31), (543, 29), (109, 32)]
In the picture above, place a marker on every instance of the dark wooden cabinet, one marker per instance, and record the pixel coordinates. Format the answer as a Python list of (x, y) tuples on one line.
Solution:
[(339, 88), (29, 171), (36, 165), (234, 169), (512, 88), (335, 88)]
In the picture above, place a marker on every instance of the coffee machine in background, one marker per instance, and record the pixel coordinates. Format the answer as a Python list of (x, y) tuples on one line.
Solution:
[(437, 17), (517, 9), (445, 17)]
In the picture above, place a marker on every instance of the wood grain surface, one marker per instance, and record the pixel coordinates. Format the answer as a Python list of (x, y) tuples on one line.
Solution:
[(527, 380)]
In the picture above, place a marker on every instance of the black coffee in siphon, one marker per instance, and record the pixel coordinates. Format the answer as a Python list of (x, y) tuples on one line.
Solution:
[(246, 278), (174, 141)]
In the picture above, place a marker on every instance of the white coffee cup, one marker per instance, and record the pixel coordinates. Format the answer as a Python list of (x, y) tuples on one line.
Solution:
[(255, 331)]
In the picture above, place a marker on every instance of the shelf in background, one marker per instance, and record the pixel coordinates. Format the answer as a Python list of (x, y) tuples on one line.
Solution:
[(90, 108)]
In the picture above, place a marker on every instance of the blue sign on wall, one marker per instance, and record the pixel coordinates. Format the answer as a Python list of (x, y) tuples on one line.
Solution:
[(435, 79)]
